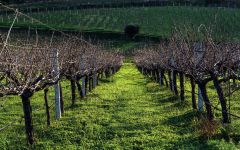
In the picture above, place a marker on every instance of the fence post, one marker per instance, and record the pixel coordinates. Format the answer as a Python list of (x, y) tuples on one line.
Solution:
[(198, 54), (83, 78), (94, 73), (172, 76), (83, 86), (56, 86), (200, 100)]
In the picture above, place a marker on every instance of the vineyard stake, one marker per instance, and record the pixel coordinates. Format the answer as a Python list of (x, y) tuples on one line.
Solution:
[(83, 78), (200, 100), (56, 86), (94, 73)]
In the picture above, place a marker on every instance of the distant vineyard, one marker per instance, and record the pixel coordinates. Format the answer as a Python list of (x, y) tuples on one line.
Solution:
[(152, 21), (60, 3)]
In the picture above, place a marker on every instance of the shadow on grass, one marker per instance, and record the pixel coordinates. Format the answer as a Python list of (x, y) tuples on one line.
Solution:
[(196, 143), (71, 107), (105, 80), (105, 106), (167, 100), (127, 130), (181, 120), (181, 104), (184, 126), (138, 83)]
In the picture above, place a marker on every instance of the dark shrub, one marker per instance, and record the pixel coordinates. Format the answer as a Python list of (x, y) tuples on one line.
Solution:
[(131, 30)]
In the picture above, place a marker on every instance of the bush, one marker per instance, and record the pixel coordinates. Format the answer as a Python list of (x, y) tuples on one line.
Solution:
[(131, 30)]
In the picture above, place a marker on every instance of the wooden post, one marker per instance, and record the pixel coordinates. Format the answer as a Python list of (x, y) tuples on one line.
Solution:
[(83, 77), (83, 86), (56, 86), (94, 74), (94, 79), (198, 54), (172, 77), (200, 100)]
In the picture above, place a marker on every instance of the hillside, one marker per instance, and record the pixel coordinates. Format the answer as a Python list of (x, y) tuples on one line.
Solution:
[(155, 21)]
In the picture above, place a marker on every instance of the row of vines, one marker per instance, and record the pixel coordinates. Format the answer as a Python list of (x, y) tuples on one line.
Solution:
[(194, 58), (34, 63)]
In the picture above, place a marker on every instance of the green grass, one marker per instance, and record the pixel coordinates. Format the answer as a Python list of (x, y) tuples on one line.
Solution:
[(155, 21), (127, 111)]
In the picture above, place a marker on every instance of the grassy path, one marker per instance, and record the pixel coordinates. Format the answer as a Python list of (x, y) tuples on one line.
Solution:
[(132, 112), (129, 111)]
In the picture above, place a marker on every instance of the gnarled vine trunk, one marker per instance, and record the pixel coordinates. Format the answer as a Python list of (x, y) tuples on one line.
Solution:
[(90, 87), (47, 106), (73, 91), (174, 80), (202, 87), (170, 80), (86, 84), (221, 98), (79, 87), (27, 109), (182, 92), (61, 99), (161, 76)]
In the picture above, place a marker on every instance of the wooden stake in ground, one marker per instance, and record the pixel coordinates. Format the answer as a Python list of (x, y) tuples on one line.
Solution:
[(56, 86), (200, 100)]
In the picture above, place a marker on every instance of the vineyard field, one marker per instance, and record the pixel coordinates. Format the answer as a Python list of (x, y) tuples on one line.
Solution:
[(135, 113), (155, 21), (104, 75)]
